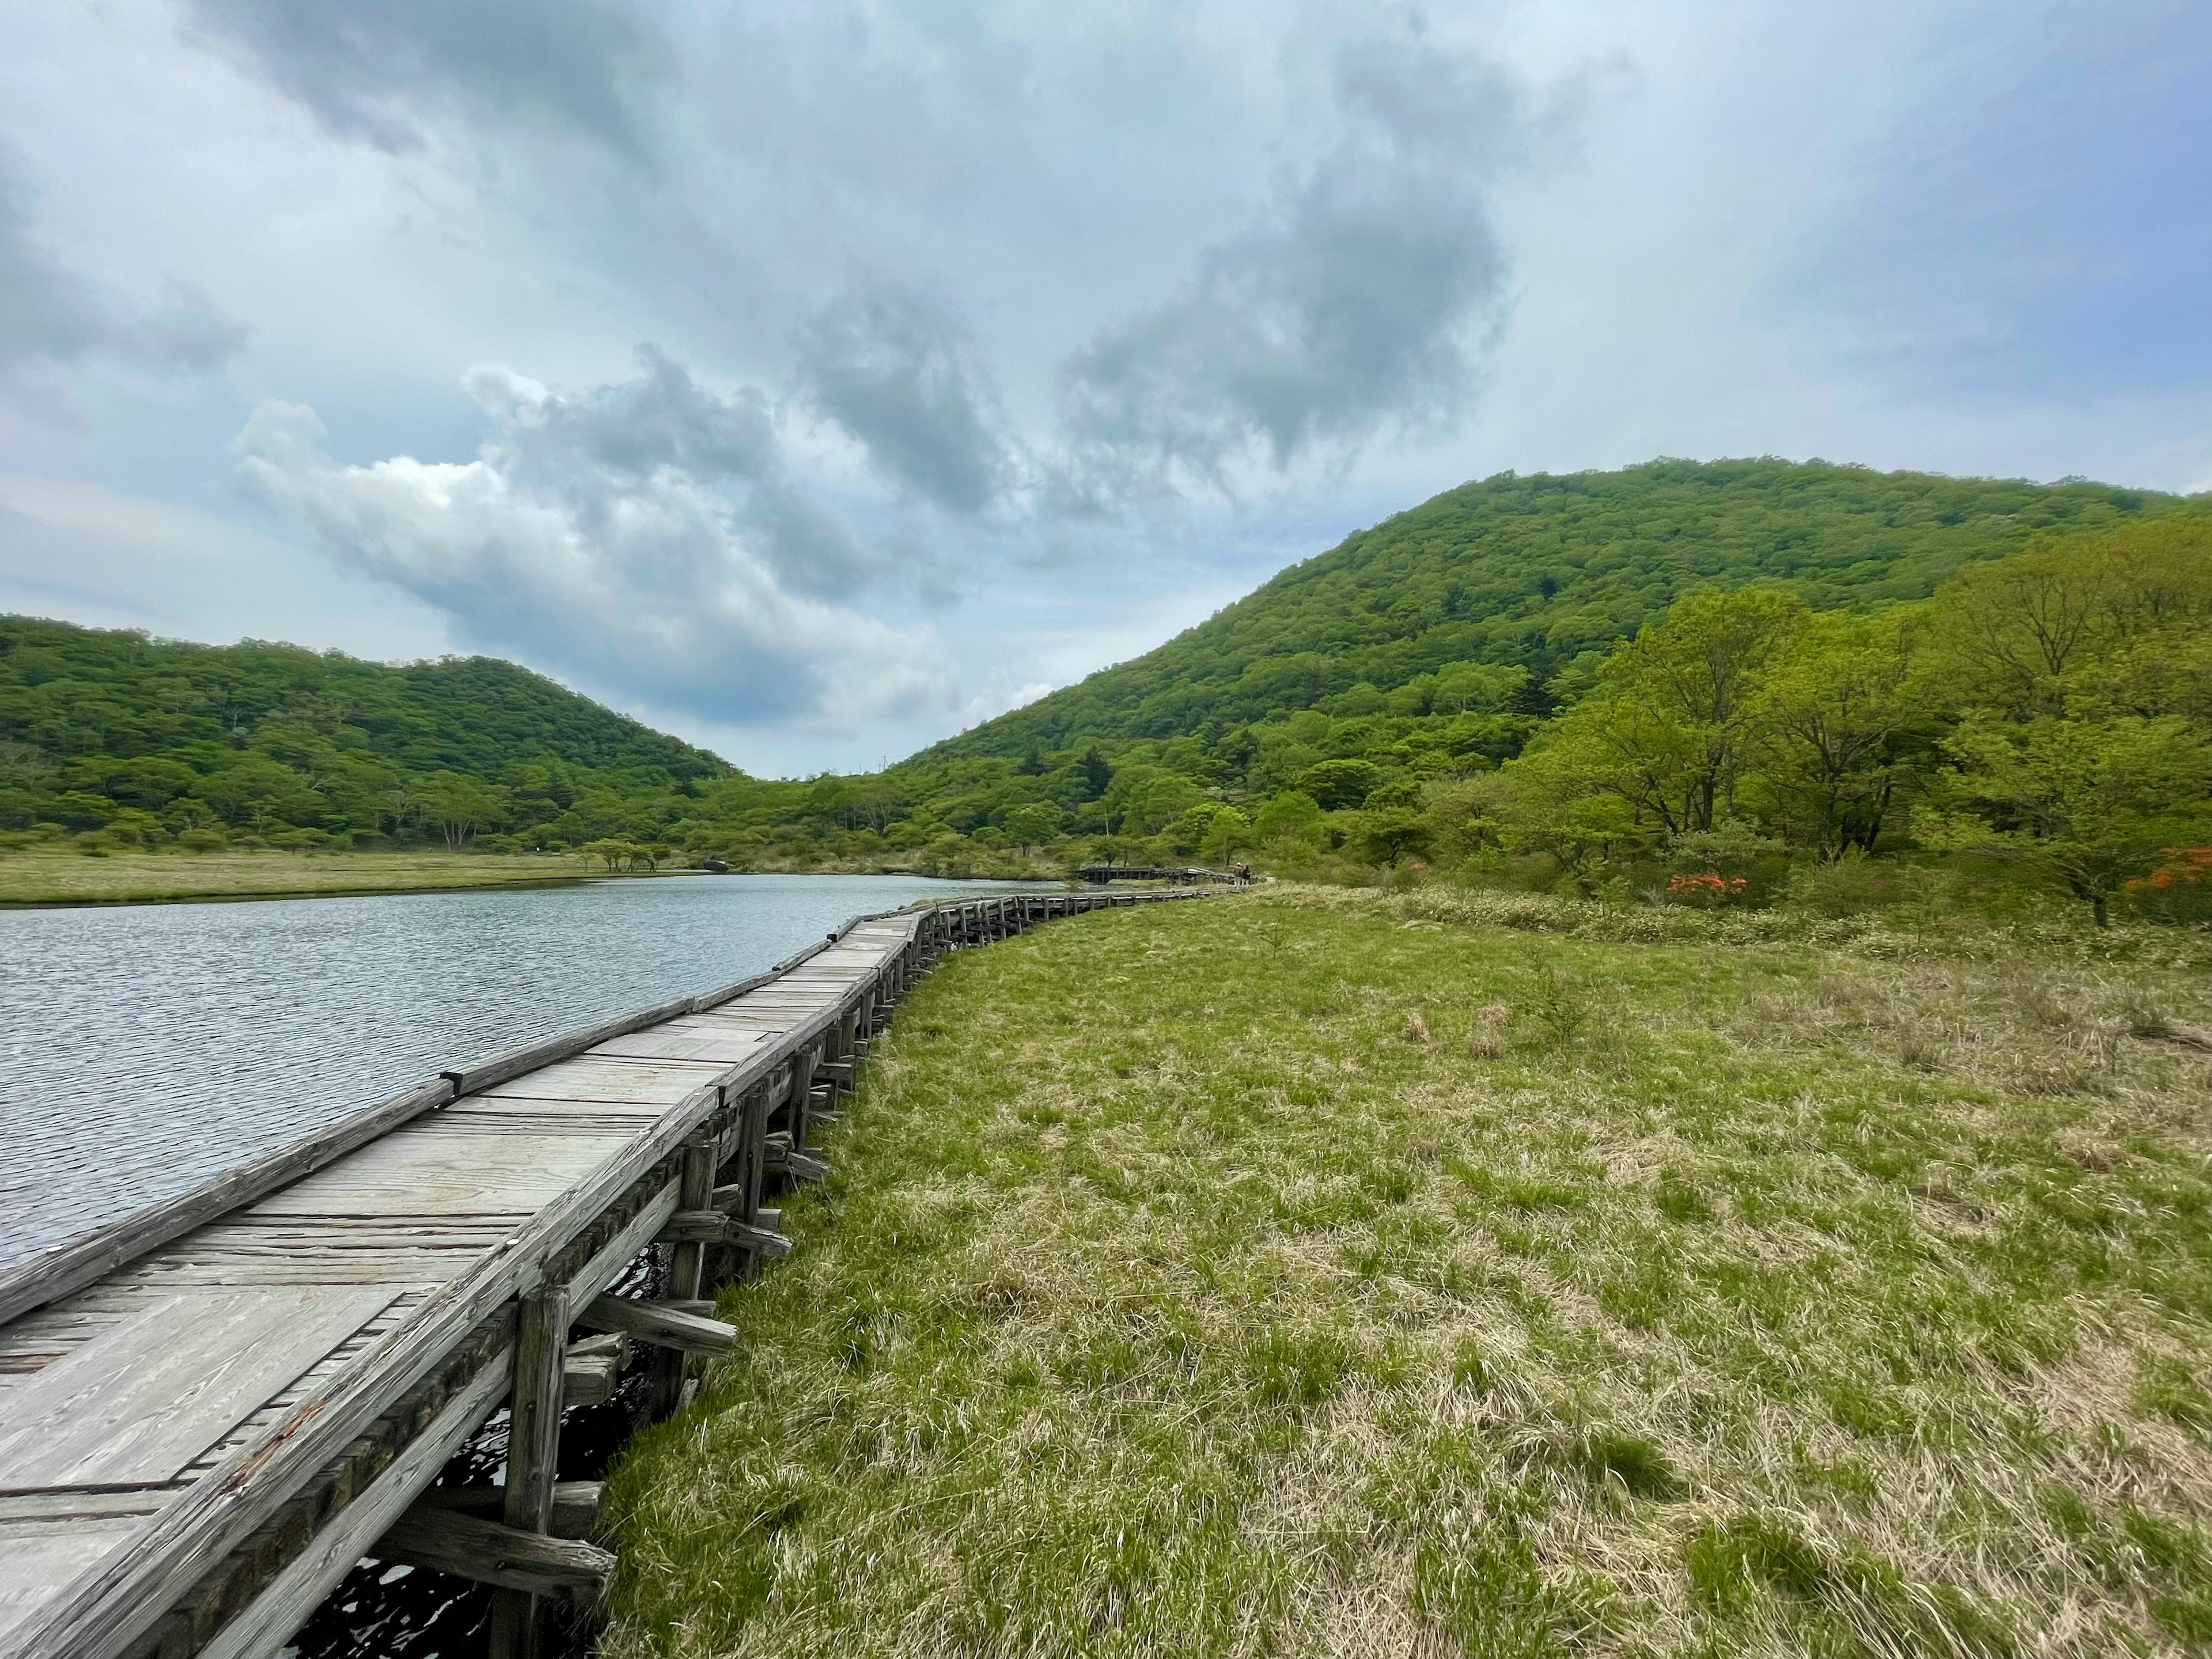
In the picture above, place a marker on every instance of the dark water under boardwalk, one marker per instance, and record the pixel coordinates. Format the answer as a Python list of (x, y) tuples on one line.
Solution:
[(143, 1049)]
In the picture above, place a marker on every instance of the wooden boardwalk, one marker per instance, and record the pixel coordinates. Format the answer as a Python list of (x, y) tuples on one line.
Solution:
[(209, 1413), (1188, 875)]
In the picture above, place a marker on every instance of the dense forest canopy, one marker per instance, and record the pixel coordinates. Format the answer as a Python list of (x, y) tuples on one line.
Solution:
[(1590, 679), (1535, 573), (104, 730)]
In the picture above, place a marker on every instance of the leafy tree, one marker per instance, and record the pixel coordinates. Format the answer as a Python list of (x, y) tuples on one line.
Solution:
[(1666, 728), (1145, 800), (256, 792), (1826, 727), (2085, 805), (1383, 834), (1227, 836), (1290, 813), (461, 807), (1032, 825), (1338, 783)]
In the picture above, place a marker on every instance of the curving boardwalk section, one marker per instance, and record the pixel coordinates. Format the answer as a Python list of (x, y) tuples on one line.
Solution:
[(208, 1416)]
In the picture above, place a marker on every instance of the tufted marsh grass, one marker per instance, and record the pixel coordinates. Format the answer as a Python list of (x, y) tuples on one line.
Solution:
[(1272, 1276)]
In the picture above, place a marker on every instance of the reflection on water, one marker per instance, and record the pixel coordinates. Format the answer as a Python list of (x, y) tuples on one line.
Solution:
[(144, 1048)]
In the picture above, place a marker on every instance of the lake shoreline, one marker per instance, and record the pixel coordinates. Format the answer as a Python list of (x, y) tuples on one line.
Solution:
[(46, 881)]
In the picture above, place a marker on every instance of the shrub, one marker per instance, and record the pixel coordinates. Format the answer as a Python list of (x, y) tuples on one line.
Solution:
[(2179, 890), (1707, 892)]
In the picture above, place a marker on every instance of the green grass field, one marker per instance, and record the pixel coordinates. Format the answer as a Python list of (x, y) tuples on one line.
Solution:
[(1323, 1273), (41, 876)]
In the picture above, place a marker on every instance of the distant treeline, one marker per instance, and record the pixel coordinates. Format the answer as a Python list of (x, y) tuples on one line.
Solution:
[(122, 740), (1700, 681)]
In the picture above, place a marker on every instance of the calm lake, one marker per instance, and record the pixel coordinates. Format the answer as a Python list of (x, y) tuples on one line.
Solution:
[(145, 1047)]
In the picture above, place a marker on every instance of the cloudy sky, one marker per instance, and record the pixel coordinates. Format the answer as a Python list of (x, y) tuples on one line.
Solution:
[(817, 380)]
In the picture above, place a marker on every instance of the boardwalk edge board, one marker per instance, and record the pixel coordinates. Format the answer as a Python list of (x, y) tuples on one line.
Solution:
[(440, 1225)]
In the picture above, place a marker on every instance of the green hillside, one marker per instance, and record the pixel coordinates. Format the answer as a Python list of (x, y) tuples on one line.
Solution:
[(1341, 713), (111, 731), (1534, 572)]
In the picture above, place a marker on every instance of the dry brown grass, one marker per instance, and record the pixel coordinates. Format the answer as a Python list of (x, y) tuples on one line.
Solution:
[(39, 876)]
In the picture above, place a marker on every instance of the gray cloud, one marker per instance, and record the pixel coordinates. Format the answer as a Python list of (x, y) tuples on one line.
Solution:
[(375, 69), (595, 447), (894, 368), (1358, 300), (642, 535), (48, 313)]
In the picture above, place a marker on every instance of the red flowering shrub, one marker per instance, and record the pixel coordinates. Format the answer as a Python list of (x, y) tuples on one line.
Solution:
[(1708, 891), (2179, 890)]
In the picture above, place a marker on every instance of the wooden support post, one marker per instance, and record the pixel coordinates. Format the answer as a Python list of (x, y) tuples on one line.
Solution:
[(697, 1191), (802, 1092), (533, 1452), (741, 1197)]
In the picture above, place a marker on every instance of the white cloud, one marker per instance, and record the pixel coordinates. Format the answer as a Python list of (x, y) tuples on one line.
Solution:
[(639, 538), (1296, 249), (109, 559)]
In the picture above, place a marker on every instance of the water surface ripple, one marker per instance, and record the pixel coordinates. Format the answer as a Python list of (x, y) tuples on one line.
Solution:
[(145, 1047)]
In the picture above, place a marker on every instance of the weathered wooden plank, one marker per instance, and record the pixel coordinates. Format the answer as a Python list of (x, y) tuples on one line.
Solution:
[(659, 1326), (136, 1406), (610, 1079), (663, 1042), (429, 1172), (591, 1369), (51, 1275), (779, 1154), (485, 1074), (533, 1455), (576, 1511), (696, 1191), (713, 1227), (36, 1564), (468, 1546), (77, 1503), (622, 1248)]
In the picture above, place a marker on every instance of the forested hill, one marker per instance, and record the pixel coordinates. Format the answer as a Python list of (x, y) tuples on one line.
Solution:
[(280, 740), (1533, 573)]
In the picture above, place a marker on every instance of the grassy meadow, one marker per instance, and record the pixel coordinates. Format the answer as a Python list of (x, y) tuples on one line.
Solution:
[(63, 876), (1323, 1271)]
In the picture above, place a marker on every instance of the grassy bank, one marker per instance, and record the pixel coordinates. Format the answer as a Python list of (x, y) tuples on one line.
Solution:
[(36, 876), (1297, 1274)]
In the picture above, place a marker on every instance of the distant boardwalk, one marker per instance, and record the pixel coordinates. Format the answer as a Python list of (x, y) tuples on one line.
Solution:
[(1190, 875), (209, 1413)]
